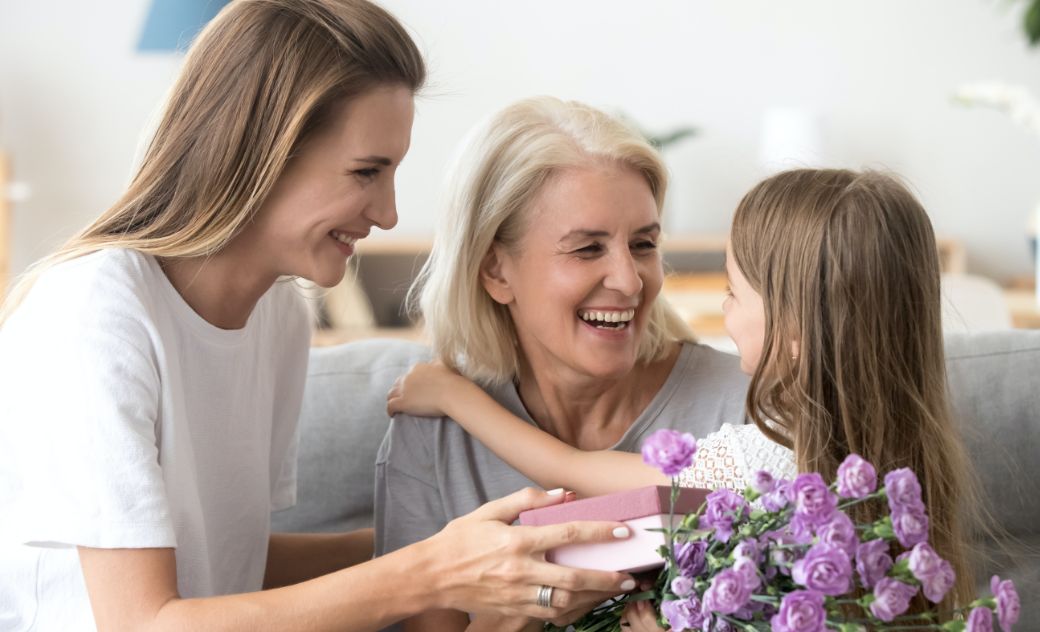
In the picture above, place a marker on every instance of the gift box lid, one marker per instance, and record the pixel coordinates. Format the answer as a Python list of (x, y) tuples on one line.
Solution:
[(625, 505)]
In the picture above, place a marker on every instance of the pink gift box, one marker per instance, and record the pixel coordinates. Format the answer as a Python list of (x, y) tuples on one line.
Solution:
[(641, 509)]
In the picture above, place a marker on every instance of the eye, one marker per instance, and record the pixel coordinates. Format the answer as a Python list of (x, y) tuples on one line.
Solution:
[(729, 291), (644, 246), (591, 249), (368, 174)]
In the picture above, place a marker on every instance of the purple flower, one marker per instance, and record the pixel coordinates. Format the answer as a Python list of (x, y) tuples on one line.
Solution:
[(749, 569), (872, 562), (910, 525), (727, 593), (763, 482), (1008, 605), (935, 574), (724, 507), (824, 568), (903, 490), (891, 598), (682, 586), (980, 620), (670, 451), (683, 614), (813, 502), (748, 548), (800, 611), (689, 557), (779, 557), (839, 531), (856, 477), (778, 498)]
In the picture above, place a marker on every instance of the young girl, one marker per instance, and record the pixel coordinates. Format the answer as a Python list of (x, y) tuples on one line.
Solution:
[(152, 370), (834, 306)]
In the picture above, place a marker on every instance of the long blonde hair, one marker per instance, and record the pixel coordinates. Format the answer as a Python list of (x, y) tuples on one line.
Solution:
[(847, 266), (260, 79), (497, 177)]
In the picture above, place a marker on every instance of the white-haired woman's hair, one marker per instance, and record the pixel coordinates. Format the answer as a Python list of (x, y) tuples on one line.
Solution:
[(501, 169)]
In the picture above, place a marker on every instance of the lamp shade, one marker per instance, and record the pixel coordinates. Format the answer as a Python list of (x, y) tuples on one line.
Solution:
[(171, 24)]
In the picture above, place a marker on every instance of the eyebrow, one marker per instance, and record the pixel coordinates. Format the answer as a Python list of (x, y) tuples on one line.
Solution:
[(376, 160), (586, 232)]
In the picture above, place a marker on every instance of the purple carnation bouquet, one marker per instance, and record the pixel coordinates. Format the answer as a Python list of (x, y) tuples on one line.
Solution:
[(786, 556)]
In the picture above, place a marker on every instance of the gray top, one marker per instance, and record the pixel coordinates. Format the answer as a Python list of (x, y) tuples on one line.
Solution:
[(430, 471)]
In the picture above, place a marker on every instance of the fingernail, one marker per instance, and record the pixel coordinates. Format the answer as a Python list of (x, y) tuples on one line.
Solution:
[(555, 492), (621, 532), (628, 584)]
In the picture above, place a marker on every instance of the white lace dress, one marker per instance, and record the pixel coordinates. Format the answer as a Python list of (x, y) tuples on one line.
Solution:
[(730, 457)]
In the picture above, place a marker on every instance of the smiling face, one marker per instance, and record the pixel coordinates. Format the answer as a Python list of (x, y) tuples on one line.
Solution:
[(745, 318), (580, 282), (339, 185)]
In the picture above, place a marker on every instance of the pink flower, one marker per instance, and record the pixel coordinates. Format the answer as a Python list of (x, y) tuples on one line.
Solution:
[(935, 574), (682, 586), (724, 507), (903, 490), (800, 611), (980, 620), (728, 592), (670, 451), (872, 561), (1009, 607), (763, 482), (891, 598), (824, 568), (813, 502), (910, 525), (856, 477), (839, 531), (683, 614)]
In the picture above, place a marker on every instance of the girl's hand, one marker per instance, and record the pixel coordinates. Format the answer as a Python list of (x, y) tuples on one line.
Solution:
[(641, 617), (480, 564), (419, 391)]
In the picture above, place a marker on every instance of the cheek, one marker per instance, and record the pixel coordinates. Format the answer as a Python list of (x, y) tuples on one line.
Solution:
[(652, 274)]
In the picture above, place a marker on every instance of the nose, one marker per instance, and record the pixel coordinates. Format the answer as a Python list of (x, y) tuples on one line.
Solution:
[(383, 210), (623, 274)]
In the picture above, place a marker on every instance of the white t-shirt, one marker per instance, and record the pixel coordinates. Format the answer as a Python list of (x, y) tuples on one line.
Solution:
[(128, 421)]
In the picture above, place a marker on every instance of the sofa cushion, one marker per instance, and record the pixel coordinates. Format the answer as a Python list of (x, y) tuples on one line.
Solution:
[(342, 423)]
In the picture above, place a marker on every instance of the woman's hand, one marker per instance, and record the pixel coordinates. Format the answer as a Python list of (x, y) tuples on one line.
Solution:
[(641, 617), (480, 564), (419, 391)]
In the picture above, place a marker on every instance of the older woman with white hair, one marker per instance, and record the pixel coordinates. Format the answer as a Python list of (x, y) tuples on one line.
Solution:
[(543, 287)]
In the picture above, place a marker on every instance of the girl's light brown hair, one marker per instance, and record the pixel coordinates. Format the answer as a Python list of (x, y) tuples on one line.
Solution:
[(260, 79), (852, 360)]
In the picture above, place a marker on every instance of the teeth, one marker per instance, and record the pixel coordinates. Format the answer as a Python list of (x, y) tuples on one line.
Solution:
[(342, 238), (608, 317)]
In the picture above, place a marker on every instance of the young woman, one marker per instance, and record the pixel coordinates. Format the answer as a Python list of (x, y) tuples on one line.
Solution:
[(151, 371), (834, 307)]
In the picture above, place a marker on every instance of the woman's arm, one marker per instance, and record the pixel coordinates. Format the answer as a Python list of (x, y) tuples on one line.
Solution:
[(296, 557), (476, 564), (434, 390)]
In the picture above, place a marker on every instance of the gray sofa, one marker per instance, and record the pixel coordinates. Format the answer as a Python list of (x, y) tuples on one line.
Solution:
[(994, 383)]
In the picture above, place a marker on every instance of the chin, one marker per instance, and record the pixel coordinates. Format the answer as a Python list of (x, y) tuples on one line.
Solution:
[(328, 278)]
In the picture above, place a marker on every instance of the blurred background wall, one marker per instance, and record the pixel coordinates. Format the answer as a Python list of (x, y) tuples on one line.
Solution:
[(864, 82)]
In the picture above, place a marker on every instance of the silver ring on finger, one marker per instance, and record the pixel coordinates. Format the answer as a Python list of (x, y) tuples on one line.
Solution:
[(545, 594)]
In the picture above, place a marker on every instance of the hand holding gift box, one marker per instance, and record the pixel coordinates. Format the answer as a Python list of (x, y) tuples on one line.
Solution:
[(645, 510)]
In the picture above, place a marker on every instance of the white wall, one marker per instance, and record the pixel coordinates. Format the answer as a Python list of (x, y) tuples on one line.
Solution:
[(879, 73)]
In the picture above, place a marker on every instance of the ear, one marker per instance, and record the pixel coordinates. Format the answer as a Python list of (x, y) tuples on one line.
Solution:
[(796, 350), (492, 278)]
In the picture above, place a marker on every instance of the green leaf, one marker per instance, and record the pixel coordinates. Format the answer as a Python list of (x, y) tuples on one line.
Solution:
[(1031, 22)]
